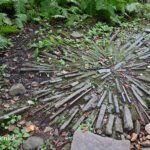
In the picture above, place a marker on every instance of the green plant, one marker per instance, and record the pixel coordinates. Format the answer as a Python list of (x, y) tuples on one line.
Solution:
[(2, 73), (72, 10), (13, 141), (100, 32), (16, 136), (147, 11), (4, 42)]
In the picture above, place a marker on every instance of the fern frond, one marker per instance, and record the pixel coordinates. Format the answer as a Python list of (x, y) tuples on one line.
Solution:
[(8, 29)]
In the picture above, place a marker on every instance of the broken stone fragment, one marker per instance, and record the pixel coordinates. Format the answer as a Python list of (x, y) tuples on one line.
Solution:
[(146, 143), (33, 142), (66, 147), (147, 128), (17, 89), (90, 141), (148, 137)]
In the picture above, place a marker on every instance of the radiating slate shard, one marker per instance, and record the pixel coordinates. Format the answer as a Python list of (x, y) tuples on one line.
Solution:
[(90, 141), (128, 123), (116, 104), (100, 117), (118, 125), (91, 104), (137, 127), (109, 125), (102, 98)]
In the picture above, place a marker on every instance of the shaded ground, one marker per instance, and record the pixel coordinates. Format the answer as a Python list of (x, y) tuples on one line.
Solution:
[(21, 53)]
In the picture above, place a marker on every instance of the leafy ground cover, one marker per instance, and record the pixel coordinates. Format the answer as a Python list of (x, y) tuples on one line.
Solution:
[(15, 13), (40, 56)]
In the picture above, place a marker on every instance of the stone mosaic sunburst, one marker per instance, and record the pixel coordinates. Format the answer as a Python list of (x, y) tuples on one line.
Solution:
[(105, 90)]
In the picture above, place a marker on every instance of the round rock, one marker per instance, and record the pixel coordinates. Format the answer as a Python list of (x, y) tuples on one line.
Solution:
[(33, 142), (17, 89), (147, 128)]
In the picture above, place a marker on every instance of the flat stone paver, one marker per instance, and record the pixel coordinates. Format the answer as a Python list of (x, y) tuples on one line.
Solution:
[(90, 141)]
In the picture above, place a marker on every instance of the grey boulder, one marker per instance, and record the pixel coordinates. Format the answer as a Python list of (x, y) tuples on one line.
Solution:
[(17, 89), (90, 141), (32, 143)]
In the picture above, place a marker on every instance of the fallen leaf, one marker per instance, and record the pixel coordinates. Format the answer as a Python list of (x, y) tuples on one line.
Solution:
[(11, 127), (64, 134), (16, 98), (86, 114), (84, 129), (6, 105), (12, 101), (31, 128), (22, 122)]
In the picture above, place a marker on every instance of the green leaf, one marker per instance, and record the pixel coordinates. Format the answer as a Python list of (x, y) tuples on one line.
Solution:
[(21, 18), (31, 102), (6, 117), (134, 7), (3, 44)]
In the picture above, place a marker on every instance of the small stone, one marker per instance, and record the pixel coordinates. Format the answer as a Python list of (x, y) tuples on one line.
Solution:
[(147, 128), (128, 137), (134, 137), (48, 129), (146, 143), (138, 147), (132, 147), (76, 35), (99, 131), (141, 139), (140, 135), (56, 132), (33, 142), (144, 138), (147, 30), (17, 89), (122, 137), (67, 147), (148, 137), (35, 84)]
